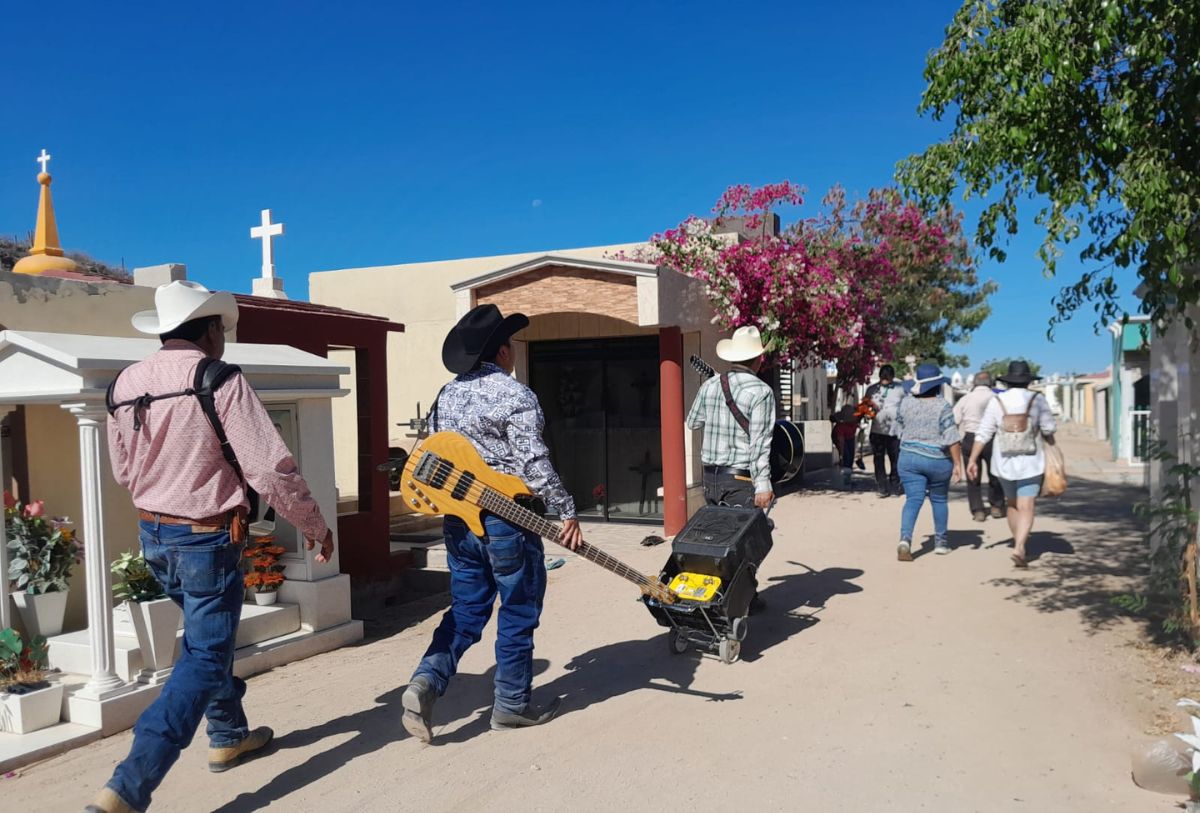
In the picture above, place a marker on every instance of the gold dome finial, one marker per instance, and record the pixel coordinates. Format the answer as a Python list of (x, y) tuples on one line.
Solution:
[(46, 254)]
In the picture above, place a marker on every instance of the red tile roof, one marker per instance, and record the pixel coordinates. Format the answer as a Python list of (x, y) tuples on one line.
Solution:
[(294, 306)]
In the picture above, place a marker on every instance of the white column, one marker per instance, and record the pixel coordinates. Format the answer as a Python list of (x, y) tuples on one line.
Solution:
[(5, 611), (93, 449)]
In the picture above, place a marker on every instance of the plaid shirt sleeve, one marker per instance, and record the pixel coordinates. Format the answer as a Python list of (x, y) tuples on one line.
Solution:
[(762, 429)]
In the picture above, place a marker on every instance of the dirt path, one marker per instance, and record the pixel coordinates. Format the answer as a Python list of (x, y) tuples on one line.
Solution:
[(950, 684)]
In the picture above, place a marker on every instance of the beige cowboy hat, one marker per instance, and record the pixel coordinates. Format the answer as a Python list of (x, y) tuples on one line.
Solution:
[(182, 301), (745, 344)]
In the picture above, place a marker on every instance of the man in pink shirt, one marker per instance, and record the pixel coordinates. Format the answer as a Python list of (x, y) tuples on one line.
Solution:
[(192, 503)]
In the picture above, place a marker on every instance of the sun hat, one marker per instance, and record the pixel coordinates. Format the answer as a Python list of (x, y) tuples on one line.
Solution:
[(481, 328), (1018, 373), (928, 377), (182, 301), (745, 344)]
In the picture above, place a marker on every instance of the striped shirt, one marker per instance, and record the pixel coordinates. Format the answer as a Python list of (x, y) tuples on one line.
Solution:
[(725, 443)]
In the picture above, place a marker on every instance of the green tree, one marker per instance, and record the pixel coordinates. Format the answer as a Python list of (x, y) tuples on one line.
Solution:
[(939, 299), (998, 367), (1090, 108)]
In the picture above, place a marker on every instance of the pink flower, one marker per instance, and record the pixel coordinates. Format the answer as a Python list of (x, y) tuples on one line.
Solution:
[(10, 501), (35, 508)]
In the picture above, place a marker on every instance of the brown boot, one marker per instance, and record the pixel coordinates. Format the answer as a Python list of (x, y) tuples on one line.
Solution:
[(998, 512), (222, 759), (107, 801)]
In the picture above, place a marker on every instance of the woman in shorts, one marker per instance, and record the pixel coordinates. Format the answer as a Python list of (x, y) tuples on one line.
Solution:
[(1018, 459)]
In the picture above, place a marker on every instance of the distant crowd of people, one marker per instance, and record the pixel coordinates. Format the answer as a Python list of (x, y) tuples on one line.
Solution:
[(921, 444)]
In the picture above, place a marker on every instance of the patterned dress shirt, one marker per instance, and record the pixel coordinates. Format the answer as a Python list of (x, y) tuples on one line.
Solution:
[(503, 419), (725, 443), (172, 464)]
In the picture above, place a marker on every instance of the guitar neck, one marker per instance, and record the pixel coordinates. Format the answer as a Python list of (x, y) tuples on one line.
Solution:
[(702, 367), (503, 507)]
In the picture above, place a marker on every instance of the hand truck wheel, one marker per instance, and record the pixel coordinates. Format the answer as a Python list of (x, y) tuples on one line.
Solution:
[(730, 650), (677, 641)]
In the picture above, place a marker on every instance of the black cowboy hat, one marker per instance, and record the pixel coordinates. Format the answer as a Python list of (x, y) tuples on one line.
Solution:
[(483, 328), (1018, 373)]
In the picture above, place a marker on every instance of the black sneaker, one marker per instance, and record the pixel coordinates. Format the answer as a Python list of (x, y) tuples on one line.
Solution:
[(533, 715)]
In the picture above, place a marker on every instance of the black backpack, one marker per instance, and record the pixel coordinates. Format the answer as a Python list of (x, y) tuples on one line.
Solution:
[(210, 374)]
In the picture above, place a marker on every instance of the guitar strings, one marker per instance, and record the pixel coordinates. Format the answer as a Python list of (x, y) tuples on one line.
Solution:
[(478, 491)]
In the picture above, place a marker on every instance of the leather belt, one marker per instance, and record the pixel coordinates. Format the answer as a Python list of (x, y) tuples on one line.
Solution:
[(727, 470), (230, 520)]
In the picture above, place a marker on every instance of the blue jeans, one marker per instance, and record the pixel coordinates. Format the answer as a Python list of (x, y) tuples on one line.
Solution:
[(919, 474), (510, 563), (200, 573)]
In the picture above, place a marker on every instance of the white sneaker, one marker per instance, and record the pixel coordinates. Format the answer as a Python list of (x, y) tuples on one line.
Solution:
[(904, 552)]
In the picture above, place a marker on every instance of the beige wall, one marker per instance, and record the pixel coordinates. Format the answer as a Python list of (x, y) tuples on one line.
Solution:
[(68, 306), (345, 428), (419, 296), (54, 476)]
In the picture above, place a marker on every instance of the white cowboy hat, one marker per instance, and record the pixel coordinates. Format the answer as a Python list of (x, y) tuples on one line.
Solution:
[(182, 301), (746, 344)]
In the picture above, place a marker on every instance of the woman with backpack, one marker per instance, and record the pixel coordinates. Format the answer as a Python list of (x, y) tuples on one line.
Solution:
[(1019, 422), (930, 457)]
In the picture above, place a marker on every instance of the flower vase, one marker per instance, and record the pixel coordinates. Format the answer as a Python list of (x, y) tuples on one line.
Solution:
[(265, 599), (156, 624), (42, 613), (31, 710)]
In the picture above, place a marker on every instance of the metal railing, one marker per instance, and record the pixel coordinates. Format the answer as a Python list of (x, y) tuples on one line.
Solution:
[(1139, 448)]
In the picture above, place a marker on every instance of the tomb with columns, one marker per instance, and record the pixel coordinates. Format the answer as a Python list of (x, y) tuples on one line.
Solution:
[(60, 379), (53, 448)]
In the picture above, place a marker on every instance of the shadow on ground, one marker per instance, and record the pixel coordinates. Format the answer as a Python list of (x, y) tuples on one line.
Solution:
[(1102, 556), (792, 602)]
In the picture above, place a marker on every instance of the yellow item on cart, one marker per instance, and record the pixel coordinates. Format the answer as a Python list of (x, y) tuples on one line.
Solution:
[(695, 587)]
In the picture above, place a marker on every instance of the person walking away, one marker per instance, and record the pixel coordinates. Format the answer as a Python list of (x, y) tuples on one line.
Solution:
[(1017, 423), (968, 412), (930, 457), (737, 412), (845, 434), (885, 396), (192, 502), (504, 421)]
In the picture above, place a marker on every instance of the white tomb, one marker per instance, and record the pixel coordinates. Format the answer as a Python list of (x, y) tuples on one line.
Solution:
[(72, 372)]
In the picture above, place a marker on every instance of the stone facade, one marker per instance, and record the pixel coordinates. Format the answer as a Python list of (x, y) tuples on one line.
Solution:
[(555, 289)]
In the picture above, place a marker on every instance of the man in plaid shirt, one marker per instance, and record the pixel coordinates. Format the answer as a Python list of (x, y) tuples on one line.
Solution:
[(737, 462)]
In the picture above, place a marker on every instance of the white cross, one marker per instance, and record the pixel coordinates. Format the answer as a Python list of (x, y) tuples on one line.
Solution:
[(265, 232), (43, 159)]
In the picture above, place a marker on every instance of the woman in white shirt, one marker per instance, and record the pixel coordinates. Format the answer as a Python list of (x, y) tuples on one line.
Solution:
[(1018, 457)]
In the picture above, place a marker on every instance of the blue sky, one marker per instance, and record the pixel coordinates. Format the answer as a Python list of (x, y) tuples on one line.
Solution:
[(407, 132)]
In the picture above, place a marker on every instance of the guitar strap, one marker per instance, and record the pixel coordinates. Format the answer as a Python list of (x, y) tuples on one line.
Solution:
[(741, 419)]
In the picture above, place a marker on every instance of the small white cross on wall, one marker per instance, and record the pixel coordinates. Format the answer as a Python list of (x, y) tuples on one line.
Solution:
[(43, 159), (266, 232)]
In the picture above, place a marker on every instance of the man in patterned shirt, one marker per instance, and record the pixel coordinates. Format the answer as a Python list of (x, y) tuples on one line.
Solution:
[(503, 419), (737, 461), (192, 505)]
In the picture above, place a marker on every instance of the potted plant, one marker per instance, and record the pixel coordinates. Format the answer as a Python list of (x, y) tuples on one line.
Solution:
[(155, 617), (266, 574), (28, 701), (41, 553)]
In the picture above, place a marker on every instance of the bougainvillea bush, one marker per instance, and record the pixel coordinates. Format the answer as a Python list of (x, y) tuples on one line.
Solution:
[(833, 287)]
